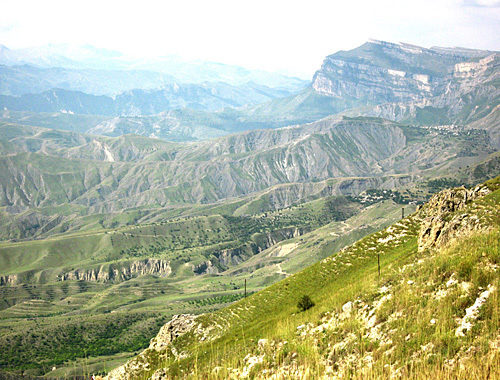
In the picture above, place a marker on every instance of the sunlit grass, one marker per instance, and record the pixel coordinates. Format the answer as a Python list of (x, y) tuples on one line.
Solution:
[(412, 334)]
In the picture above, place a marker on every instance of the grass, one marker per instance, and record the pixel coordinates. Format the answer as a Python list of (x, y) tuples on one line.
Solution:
[(277, 310), (41, 343), (41, 297), (403, 323)]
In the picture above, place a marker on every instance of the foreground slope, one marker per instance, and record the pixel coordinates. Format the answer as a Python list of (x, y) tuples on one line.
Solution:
[(433, 310), (108, 290)]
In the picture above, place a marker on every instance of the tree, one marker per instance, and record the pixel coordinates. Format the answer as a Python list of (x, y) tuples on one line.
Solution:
[(305, 303)]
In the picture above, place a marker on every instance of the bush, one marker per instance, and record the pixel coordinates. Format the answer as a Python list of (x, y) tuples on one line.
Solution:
[(305, 303)]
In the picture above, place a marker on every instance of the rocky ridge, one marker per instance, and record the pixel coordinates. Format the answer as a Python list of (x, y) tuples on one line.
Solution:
[(384, 72), (160, 346)]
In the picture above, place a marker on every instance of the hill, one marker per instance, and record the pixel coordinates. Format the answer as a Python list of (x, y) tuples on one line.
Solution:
[(432, 309), (136, 278), (54, 181)]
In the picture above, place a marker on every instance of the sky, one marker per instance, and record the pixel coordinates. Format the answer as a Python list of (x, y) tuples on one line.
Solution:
[(287, 36)]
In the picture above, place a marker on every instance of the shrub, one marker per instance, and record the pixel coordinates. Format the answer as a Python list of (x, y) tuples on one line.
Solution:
[(305, 303)]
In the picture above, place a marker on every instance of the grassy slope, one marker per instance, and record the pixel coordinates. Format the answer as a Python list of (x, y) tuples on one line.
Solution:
[(149, 298), (417, 322)]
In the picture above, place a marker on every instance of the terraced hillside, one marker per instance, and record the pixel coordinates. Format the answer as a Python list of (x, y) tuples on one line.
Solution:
[(432, 310)]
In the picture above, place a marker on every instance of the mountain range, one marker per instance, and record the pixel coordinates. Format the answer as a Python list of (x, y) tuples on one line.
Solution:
[(122, 207), (398, 82)]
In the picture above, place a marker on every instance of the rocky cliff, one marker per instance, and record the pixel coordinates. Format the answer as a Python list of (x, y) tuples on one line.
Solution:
[(120, 271), (411, 83), (467, 93), (227, 258), (161, 347), (382, 72)]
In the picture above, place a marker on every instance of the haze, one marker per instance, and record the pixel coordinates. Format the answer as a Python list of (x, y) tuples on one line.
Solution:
[(291, 37)]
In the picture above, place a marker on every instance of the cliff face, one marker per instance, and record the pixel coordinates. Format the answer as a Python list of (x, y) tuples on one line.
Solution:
[(120, 272), (399, 79), (394, 72), (339, 78), (227, 258), (466, 93)]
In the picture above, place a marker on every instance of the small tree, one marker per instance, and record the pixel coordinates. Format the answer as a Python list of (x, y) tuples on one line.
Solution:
[(305, 303)]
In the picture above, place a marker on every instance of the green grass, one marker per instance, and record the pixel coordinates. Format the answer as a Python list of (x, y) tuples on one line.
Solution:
[(182, 241), (330, 283), (416, 326), (40, 343)]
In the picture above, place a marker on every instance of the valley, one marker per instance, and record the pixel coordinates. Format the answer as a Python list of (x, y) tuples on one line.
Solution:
[(122, 208)]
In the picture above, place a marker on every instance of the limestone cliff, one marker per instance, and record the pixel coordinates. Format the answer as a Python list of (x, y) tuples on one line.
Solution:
[(381, 72), (120, 271), (400, 80)]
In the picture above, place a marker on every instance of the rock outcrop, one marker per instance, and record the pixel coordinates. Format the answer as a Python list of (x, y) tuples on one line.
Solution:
[(439, 227), (176, 327), (225, 259), (120, 271), (162, 346), (12, 279)]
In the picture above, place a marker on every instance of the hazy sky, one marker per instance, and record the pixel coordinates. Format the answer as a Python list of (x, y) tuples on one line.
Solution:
[(289, 35)]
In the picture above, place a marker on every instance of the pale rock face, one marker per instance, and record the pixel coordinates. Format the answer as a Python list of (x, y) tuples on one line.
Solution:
[(436, 230), (176, 327), (378, 82), (472, 313), (340, 79), (398, 79), (9, 280), (473, 69), (120, 272), (347, 307)]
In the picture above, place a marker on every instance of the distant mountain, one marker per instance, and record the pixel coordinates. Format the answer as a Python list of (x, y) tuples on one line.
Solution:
[(27, 79), (379, 73), (139, 102), (179, 70), (109, 174), (400, 82)]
